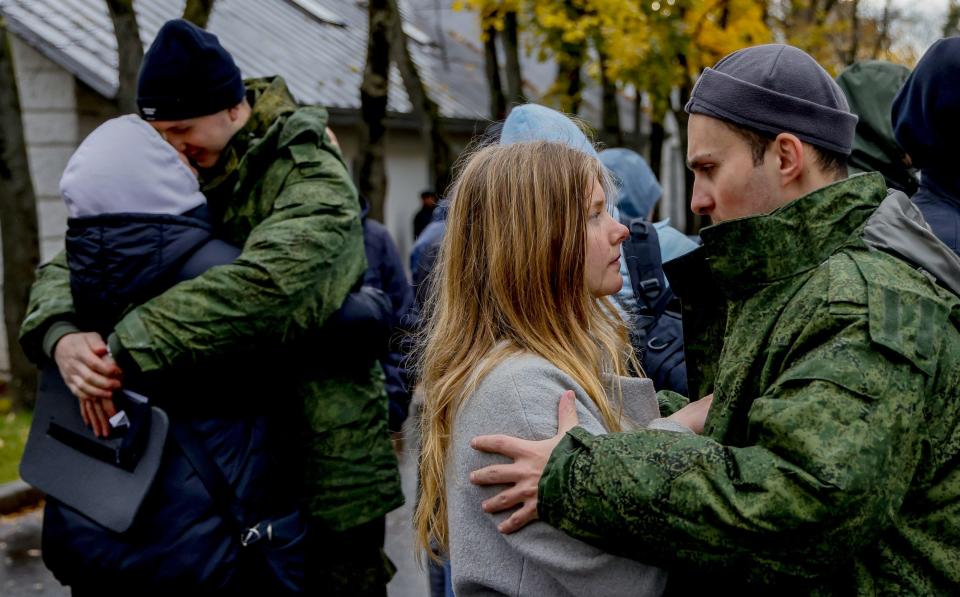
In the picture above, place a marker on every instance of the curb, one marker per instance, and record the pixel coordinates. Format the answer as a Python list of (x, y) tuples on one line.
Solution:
[(17, 495)]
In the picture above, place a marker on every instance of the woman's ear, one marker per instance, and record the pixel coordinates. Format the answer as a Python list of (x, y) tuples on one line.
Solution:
[(790, 157)]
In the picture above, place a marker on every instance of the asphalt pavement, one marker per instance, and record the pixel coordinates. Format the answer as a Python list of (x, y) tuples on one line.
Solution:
[(22, 572)]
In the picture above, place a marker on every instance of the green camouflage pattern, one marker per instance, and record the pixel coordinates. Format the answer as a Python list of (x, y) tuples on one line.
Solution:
[(828, 463), (283, 193)]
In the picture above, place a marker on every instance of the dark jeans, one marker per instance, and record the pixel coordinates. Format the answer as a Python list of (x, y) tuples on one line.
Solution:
[(349, 563)]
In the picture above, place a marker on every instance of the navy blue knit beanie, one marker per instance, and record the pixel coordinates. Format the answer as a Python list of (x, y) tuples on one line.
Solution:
[(186, 73), (776, 88), (926, 112)]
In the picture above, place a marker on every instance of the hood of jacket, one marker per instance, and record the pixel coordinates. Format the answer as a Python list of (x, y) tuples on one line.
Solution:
[(925, 119), (898, 227), (125, 166), (870, 87), (639, 189)]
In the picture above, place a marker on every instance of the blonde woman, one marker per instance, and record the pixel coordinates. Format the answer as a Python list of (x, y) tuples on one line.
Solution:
[(518, 316)]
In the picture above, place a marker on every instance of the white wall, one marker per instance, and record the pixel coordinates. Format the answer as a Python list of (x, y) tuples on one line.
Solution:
[(48, 103), (406, 177)]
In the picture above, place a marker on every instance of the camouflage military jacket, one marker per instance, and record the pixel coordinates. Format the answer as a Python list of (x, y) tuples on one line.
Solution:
[(829, 460), (283, 193)]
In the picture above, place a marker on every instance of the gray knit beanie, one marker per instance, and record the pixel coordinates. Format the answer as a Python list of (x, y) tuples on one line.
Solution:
[(776, 89)]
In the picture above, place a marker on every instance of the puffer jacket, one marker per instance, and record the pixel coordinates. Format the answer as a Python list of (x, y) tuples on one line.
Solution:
[(180, 537)]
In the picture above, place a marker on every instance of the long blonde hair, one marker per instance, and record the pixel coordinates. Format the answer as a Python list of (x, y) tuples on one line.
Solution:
[(510, 277)]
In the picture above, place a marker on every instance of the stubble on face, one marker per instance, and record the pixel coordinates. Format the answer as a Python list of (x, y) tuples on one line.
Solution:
[(727, 183)]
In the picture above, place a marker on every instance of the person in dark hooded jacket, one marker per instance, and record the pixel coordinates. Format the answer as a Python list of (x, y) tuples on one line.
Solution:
[(870, 87), (926, 125), (138, 224), (385, 272)]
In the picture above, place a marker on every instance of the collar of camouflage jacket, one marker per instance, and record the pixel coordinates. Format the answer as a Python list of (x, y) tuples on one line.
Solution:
[(749, 252), (270, 100)]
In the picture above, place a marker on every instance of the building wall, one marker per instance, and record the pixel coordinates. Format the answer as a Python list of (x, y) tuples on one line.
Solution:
[(406, 177), (48, 103)]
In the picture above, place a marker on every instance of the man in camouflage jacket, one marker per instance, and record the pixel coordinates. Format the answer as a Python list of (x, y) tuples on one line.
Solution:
[(278, 188), (828, 462)]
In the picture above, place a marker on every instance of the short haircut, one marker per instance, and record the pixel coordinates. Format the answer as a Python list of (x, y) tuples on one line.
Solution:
[(828, 161)]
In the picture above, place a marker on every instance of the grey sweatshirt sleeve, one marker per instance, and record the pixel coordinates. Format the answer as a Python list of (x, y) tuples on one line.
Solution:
[(519, 398)]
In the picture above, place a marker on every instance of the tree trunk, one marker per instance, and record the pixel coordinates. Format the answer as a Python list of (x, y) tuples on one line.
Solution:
[(198, 12), (854, 32), (18, 226), (883, 32), (657, 137), (498, 102), (638, 144), (610, 130), (512, 54), (370, 167), (951, 26), (424, 108), (570, 78), (129, 51), (694, 221)]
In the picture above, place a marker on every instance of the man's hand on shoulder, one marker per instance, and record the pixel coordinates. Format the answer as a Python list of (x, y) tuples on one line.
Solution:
[(523, 476), (91, 374)]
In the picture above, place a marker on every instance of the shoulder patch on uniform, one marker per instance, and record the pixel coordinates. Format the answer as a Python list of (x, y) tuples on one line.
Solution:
[(906, 323), (848, 288), (305, 153), (905, 312)]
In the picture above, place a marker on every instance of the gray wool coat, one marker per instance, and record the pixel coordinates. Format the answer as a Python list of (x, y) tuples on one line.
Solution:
[(519, 398)]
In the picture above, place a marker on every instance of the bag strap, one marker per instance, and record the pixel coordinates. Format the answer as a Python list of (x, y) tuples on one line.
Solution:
[(216, 484), (642, 254)]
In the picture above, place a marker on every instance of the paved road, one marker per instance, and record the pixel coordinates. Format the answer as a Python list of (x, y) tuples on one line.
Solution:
[(411, 579), (23, 574)]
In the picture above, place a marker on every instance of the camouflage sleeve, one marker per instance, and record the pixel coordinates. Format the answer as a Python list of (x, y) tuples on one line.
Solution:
[(835, 443), (50, 302), (670, 402), (296, 268)]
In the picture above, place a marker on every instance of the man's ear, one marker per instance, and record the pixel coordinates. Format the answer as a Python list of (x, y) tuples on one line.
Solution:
[(790, 157), (236, 112)]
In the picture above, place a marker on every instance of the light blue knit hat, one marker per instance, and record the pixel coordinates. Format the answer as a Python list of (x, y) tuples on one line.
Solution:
[(533, 122)]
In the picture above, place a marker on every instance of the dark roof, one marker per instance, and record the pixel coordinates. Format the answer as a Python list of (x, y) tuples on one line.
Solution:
[(322, 62)]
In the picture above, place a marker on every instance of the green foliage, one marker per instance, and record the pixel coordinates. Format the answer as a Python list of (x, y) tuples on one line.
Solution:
[(14, 428)]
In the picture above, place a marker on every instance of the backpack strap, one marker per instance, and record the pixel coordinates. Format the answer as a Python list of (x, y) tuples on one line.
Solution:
[(642, 253)]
